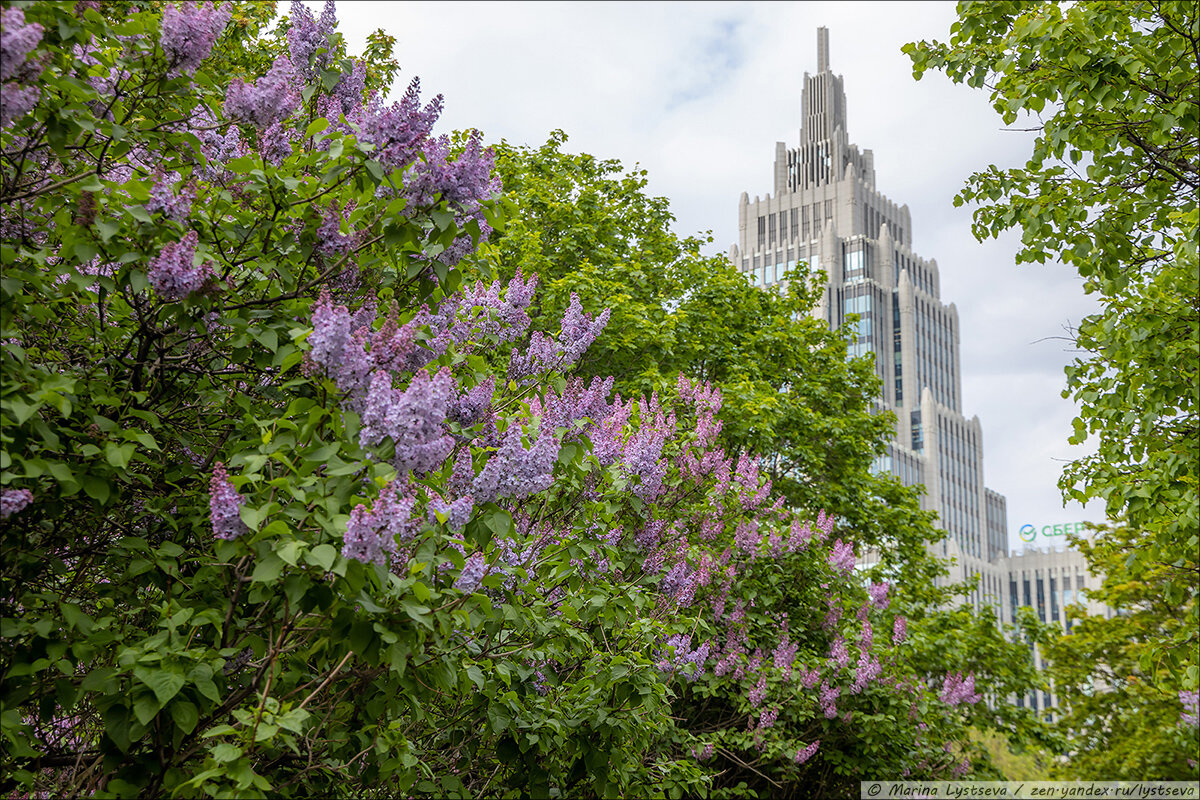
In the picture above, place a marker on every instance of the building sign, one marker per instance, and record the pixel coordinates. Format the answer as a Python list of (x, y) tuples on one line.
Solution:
[(1029, 532)]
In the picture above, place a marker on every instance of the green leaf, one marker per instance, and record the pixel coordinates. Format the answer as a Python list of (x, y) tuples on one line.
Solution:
[(323, 556), (225, 752), (185, 715), (267, 569), (165, 683)]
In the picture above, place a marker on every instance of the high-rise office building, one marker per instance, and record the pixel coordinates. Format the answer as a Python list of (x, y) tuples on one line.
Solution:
[(826, 210)]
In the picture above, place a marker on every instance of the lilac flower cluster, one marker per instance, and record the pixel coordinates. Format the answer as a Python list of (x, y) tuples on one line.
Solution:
[(867, 670), (474, 405), (412, 418), (785, 655), (164, 200), (173, 272), (839, 656), (480, 313), (956, 689), (462, 183), (879, 594), (457, 513), (827, 698), (398, 131), (17, 41), (767, 717), (573, 406), (13, 501), (372, 532), (1191, 708), (759, 692), (472, 573), (188, 33), (841, 556), (641, 455), (224, 505), (310, 41), (577, 334), (704, 754), (270, 99), (218, 149), (347, 96), (516, 471), (330, 239), (681, 659), (806, 753), (899, 630)]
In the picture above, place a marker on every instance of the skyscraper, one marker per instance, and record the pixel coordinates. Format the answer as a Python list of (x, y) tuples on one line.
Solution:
[(826, 210)]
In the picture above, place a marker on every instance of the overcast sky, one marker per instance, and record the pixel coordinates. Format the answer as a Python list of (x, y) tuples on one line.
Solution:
[(699, 93)]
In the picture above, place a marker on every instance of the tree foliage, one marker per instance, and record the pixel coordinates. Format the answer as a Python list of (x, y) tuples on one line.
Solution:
[(1111, 189), (293, 502)]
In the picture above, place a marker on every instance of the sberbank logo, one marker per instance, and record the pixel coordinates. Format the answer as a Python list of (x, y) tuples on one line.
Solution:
[(1029, 532)]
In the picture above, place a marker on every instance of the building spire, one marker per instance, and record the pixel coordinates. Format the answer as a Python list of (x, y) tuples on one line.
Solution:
[(822, 49)]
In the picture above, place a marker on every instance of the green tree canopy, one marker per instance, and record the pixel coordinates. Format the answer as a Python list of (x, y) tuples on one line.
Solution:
[(1110, 188)]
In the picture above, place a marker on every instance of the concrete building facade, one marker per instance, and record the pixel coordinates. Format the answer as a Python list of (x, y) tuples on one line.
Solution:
[(827, 211)]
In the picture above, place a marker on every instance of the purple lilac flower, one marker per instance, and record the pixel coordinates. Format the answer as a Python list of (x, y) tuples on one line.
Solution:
[(680, 658), (372, 532), (271, 98), (275, 142), (13, 500), (457, 513), (746, 538), (1191, 708), (330, 239), (756, 695), (956, 689), (463, 182), (188, 33), (704, 754), (808, 678), (16, 102), (899, 630), (828, 696), (472, 573), (514, 471), (839, 656), (224, 505), (173, 273), (767, 717), (841, 557), (868, 669), (17, 41), (412, 418), (472, 406), (463, 472), (308, 37), (577, 334), (331, 333), (808, 752), (398, 131), (824, 525), (879, 594), (348, 93), (784, 655), (164, 200)]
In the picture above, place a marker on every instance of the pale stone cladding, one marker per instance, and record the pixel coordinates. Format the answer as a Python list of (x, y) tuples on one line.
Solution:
[(1049, 581), (827, 211)]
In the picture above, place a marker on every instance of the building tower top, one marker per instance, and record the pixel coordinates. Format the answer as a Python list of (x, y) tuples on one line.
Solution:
[(822, 49)]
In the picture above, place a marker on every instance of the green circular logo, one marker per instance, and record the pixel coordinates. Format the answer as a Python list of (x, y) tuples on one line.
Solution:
[(1027, 532)]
